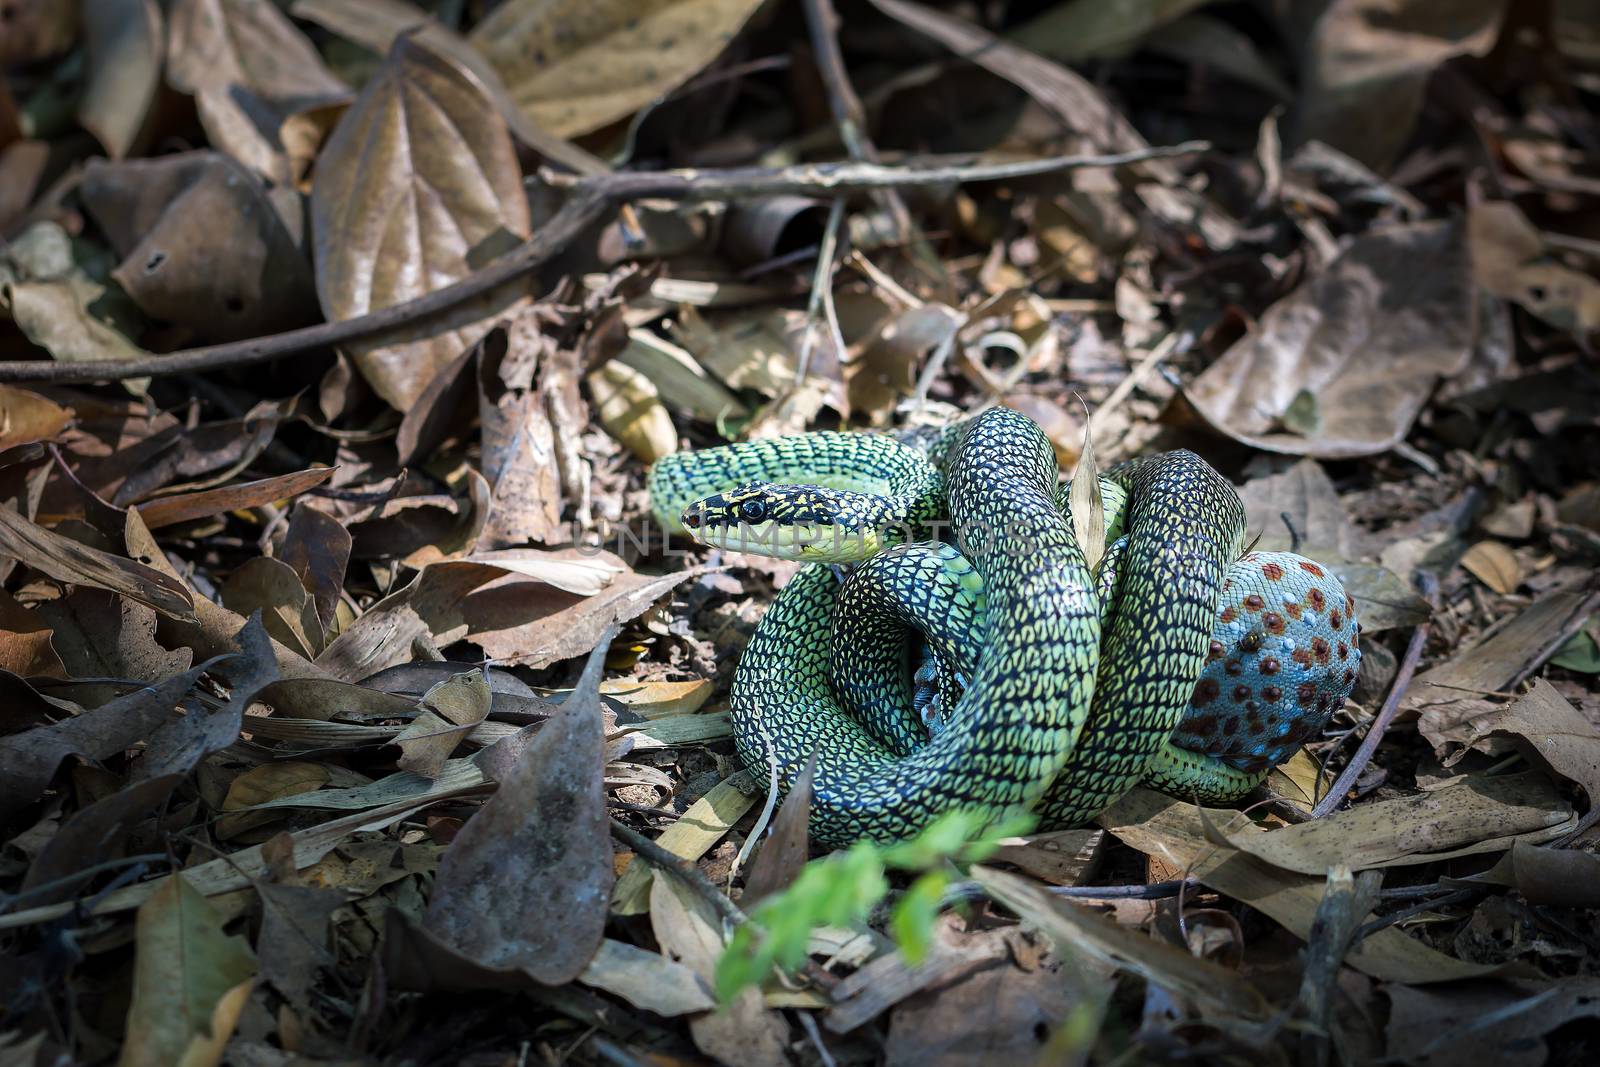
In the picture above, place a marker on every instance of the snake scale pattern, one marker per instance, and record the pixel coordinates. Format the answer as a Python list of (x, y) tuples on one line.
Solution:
[(1060, 687)]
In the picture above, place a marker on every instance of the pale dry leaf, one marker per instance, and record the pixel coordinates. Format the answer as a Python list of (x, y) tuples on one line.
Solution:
[(67, 560), (1088, 505), (418, 181), (1495, 565), (629, 407), (271, 587), (787, 847), (125, 47), (573, 66), (1368, 339), (26, 417), (261, 784), (450, 710), (189, 981), (647, 980)]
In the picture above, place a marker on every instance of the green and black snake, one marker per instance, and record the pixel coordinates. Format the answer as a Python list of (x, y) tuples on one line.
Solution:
[(1176, 662)]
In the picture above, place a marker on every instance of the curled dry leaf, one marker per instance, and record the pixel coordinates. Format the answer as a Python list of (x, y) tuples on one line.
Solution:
[(573, 66), (1349, 358), (450, 710), (1542, 723), (519, 447), (26, 417), (317, 549), (68, 561), (1495, 565), (125, 48), (542, 840), (647, 980), (418, 183), (271, 587), (190, 981), (167, 510), (165, 217), (249, 70), (629, 407), (1510, 260)]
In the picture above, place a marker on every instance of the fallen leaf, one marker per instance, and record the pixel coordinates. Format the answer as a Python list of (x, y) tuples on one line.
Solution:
[(1548, 877), (271, 587), (419, 174), (124, 47), (628, 406), (693, 834), (1510, 260), (317, 549), (93, 834), (1367, 339), (450, 710), (787, 846), (1060, 857), (574, 67), (38, 29), (689, 932), (647, 980), (27, 417), (543, 837), (261, 784), (293, 944), (170, 510), (68, 561), (1495, 565), (1504, 1023), (1542, 723), (165, 216), (190, 981), (519, 457), (249, 70), (102, 635)]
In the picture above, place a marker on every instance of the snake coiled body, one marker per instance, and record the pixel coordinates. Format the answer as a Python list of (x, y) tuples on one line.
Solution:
[(1066, 703)]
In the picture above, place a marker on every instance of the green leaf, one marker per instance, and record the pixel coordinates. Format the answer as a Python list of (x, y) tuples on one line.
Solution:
[(912, 919)]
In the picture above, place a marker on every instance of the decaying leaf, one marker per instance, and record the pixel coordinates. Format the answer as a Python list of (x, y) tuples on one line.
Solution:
[(1367, 339), (419, 181), (450, 710), (125, 46), (628, 406), (542, 838), (190, 981), (574, 67), (27, 417), (68, 561)]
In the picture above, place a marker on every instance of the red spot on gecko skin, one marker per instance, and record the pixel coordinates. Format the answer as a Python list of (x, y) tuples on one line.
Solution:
[(1320, 649), (1270, 665), (1316, 599), (1344, 650), (1228, 615), (1204, 726), (1215, 652), (1349, 604), (1272, 571), (1349, 676), (1301, 656), (1272, 694), (1336, 620), (1205, 692), (1241, 693), (1311, 568), (1230, 727), (1305, 694), (1292, 609), (1233, 667), (1273, 622), (1254, 603)]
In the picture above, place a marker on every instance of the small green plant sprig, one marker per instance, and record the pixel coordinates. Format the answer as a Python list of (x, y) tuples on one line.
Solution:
[(842, 889)]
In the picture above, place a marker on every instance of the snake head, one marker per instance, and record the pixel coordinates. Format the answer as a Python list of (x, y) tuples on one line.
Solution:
[(799, 522)]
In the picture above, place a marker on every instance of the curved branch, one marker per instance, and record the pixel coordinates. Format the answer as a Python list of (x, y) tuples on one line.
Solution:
[(589, 198)]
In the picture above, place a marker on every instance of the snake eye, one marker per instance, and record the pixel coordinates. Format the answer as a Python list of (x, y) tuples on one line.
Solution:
[(753, 510)]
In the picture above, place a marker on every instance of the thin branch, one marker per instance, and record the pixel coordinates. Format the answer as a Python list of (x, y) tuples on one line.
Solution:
[(590, 197), (1429, 587), (672, 864)]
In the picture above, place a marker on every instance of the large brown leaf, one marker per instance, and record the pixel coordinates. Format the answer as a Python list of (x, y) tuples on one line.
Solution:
[(573, 66), (123, 39), (527, 882), (1341, 366), (68, 561), (420, 174), (249, 70)]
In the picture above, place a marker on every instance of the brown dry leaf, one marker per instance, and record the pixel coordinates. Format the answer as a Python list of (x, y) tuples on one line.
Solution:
[(647, 980), (655, 700), (1495, 565), (749, 350), (271, 587), (26, 646), (190, 981), (92, 833), (628, 406), (1478, 814), (27, 417), (124, 47), (261, 784), (1510, 260), (1454, 690), (1075, 929), (1003, 1011), (1551, 877), (691, 836), (542, 840), (1541, 723), (418, 182), (201, 244), (38, 29), (519, 449), (1060, 857), (1180, 834), (101, 635), (317, 549), (573, 67), (57, 293), (885, 368), (1350, 357), (787, 847), (1365, 66), (376, 24), (742, 1032), (68, 561), (450, 710), (1503, 1023), (293, 943), (681, 382), (168, 510), (249, 70), (423, 530)]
